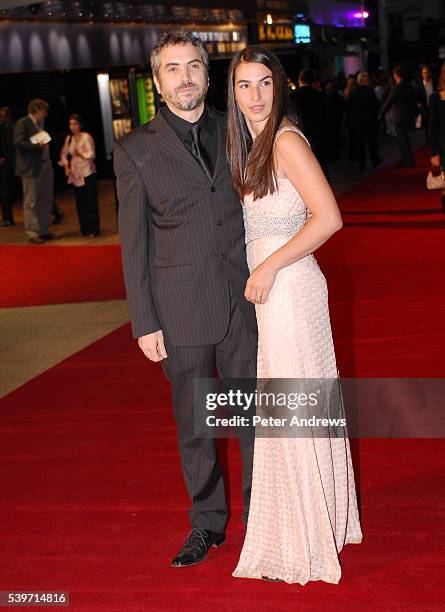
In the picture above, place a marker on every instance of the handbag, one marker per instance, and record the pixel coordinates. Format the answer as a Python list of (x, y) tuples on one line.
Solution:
[(435, 178)]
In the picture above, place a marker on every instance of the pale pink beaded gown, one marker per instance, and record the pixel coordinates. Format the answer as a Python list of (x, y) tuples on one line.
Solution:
[(303, 507)]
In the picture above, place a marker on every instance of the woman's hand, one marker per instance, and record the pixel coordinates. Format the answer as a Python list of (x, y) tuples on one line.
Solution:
[(435, 160), (260, 283)]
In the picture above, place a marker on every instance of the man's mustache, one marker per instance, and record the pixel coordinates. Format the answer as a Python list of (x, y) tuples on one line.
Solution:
[(187, 86)]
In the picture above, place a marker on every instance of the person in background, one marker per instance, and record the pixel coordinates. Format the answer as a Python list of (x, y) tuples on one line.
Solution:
[(381, 90), (33, 166), (309, 104), (437, 126), (402, 99), (362, 112), (57, 213), (382, 87), (77, 157), (425, 89), (316, 83), (334, 109), (7, 166), (351, 85)]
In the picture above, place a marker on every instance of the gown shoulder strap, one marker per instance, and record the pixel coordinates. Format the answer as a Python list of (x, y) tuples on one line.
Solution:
[(291, 128)]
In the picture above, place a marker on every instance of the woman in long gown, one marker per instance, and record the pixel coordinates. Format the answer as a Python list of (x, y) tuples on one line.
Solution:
[(303, 507)]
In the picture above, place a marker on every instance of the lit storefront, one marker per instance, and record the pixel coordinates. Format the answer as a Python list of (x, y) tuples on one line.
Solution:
[(92, 58)]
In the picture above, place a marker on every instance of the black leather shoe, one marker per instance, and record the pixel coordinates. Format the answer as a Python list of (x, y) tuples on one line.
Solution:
[(196, 546), (48, 236), (7, 223)]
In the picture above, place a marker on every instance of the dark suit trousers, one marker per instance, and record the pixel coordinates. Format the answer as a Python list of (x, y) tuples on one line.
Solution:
[(406, 152), (366, 136), (234, 357)]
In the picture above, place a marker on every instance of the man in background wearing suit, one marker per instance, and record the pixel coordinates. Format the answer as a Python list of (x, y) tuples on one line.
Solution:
[(363, 108), (183, 254), (403, 98), (425, 89), (33, 165), (309, 103)]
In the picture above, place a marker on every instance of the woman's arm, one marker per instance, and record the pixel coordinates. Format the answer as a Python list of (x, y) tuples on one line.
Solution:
[(86, 149), (295, 159)]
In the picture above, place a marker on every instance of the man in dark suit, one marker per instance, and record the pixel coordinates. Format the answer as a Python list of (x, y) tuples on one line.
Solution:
[(425, 88), (362, 107), (403, 99), (33, 165), (7, 166), (309, 103), (183, 253)]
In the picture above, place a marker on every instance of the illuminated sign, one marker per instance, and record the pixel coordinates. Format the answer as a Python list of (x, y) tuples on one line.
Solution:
[(275, 32), (146, 98), (223, 41), (302, 32)]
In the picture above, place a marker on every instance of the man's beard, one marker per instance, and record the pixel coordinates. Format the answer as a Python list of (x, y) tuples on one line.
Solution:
[(190, 103)]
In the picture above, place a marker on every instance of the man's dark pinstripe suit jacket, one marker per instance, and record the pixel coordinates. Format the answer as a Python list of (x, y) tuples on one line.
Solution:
[(182, 237)]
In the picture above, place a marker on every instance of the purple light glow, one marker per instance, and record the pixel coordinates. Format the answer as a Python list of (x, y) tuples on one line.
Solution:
[(347, 14), (361, 15)]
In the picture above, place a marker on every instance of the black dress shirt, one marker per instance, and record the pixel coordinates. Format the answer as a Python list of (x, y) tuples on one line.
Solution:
[(208, 134)]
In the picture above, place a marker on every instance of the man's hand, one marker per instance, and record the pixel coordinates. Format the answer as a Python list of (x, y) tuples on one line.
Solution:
[(152, 345)]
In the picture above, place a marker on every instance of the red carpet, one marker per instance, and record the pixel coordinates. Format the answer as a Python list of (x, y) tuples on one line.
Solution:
[(395, 190), (94, 501), (32, 276)]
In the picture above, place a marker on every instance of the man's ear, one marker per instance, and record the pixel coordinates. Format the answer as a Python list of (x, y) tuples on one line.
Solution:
[(157, 84)]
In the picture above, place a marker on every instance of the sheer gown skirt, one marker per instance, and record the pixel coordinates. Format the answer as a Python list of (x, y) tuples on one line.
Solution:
[(303, 507)]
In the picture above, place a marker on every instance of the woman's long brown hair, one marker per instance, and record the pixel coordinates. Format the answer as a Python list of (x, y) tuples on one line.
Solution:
[(253, 165)]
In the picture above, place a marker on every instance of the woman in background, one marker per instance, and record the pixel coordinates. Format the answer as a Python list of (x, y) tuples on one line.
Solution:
[(436, 127), (77, 157), (303, 506)]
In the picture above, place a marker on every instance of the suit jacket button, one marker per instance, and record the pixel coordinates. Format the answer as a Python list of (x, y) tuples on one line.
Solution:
[(213, 188), (218, 222), (223, 256)]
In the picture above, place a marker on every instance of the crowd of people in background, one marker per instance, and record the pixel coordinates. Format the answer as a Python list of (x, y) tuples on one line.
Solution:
[(334, 115), (371, 105), (357, 110), (25, 153)]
